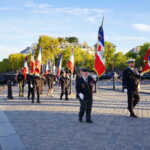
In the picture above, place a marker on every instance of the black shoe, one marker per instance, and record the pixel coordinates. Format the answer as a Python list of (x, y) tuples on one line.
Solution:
[(80, 119), (89, 121), (67, 99), (38, 102), (60, 98), (133, 115)]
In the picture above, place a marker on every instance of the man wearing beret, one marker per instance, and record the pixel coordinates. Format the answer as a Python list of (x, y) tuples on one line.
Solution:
[(131, 80), (84, 88)]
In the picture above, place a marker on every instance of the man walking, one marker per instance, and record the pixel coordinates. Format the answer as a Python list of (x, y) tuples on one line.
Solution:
[(84, 88), (64, 83), (131, 80), (50, 80), (21, 81)]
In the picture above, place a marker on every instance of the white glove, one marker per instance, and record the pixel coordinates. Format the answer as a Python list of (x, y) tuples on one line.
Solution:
[(31, 85), (81, 96), (125, 90)]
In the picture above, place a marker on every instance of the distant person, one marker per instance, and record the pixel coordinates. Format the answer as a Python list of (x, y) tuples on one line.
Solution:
[(36, 82), (50, 80), (30, 85), (84, 88), (64, 83), (21, 82), (131, 80), (42, 83)]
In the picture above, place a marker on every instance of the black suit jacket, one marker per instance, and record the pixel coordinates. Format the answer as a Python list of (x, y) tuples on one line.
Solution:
[(85, 88), (130, 79)]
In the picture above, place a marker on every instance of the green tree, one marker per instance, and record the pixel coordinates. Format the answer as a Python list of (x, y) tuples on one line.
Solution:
[(16, 61), (49, 48), (140, 56), (72, 39), (120, 61), (109, 55), (81, 58), (4, 65)]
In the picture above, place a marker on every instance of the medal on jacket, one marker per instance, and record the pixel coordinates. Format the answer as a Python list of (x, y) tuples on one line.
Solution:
[(82, 85)]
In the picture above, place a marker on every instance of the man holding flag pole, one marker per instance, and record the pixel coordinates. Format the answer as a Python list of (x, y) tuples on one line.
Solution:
[(84, 86)]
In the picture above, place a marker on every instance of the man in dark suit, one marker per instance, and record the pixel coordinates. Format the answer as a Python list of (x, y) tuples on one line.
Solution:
[(64, 83), (36, 82), (131, 80), (84, 88), (30, 85)]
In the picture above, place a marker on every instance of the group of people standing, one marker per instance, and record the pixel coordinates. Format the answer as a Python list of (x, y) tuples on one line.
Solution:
[(84, 88), (36, 84)]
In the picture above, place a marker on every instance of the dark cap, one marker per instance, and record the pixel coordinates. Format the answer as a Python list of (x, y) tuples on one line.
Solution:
[(84, 70)]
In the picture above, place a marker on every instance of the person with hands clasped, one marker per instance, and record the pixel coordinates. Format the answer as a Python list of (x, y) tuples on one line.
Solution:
[(84, 88)]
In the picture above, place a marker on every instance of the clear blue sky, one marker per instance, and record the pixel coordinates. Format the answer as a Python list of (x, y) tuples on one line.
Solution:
[(126, 24)]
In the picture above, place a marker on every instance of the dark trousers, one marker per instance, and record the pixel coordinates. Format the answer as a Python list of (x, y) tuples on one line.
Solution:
[(85, 105), (133, 99), (36, 90), (64, 90)]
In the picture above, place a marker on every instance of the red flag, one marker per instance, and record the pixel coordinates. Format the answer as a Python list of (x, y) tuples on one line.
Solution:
[(71, 62), (32, 63), (99, 64), (147, 62), (25, 68), (38, 62)]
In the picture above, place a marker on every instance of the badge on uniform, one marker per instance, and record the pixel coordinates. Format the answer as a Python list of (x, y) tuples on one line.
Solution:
[(82, 85)]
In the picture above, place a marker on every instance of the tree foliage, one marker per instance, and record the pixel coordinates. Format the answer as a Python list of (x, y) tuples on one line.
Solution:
[(16, 61), (72, 39), (109, 55), (81, 58), (49, 48)]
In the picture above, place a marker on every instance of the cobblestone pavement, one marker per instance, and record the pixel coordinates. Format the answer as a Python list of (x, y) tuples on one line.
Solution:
[(108, 84), (53, 124)]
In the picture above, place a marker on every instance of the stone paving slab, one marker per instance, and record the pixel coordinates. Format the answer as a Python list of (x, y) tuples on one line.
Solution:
[(53, 124), (8, 138)]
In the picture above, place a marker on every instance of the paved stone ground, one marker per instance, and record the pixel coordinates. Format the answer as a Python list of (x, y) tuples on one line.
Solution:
[(108, 84), (53, 124)]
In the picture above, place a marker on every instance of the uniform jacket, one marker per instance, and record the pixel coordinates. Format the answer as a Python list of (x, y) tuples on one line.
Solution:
[(85, 88), (64, 82), (20, 77), (50, 79), (130, 79)]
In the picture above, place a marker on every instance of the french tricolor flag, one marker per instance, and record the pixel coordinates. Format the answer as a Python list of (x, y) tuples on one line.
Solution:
[(25, 68), (147, 62), (59, 65), (32, 63), (70, 63), (38, 62), (99, 64)]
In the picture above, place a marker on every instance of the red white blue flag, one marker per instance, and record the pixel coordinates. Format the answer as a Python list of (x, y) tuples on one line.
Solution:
[(70, 63), (147, 62), (99, 64), (38, 62), (59, 65), (25, 68), (32, 63)]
